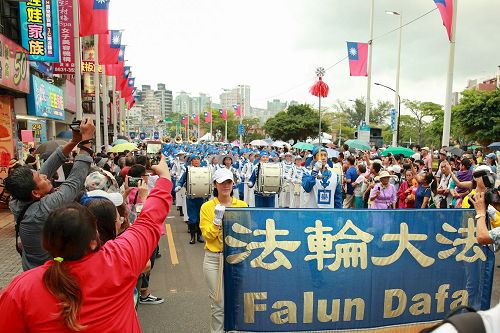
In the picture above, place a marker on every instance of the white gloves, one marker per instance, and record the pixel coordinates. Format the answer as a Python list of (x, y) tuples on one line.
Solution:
[(318, 165), (177, 189), (219, 214)]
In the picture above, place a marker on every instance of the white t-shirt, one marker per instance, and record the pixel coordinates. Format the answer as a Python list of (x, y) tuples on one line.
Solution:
[(361, 187)]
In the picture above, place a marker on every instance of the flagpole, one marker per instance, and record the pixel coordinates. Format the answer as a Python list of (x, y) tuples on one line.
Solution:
[(78, 60), (449, 80), (369, 83), (113, 108), (122, 114), (211, 123), (97, 102), (198, 124), (225, 131), (105, 107), (188, 128), (241, 122)]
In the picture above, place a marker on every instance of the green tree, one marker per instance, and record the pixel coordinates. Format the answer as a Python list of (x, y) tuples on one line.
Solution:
[(355, 114), (339, 125), (478, 114), (297, 123), (420, 111), (433, 131)]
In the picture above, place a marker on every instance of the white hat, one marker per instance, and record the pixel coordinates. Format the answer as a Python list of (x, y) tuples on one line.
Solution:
[(298, 157), (288, 153), (222, 174), (483, 167), (180, 152), (396, 168), (282, 155), (425, 148), (115, 198)]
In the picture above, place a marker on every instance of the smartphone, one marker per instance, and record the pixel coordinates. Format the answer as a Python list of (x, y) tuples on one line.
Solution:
[(134, 181)]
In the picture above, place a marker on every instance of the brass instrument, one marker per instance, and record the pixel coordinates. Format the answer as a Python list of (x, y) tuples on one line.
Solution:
[(192, 140), (178, 139), (166, 139)]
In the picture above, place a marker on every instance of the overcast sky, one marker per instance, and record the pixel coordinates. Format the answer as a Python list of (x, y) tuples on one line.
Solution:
[(275, 45)]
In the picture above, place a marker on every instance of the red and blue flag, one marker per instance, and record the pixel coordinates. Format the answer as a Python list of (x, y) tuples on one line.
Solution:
[(358, 55), (223, 113), (196, 118), (446, 9), (109, 47), (237, 110), (207, 116), (93, 17), (184, 120)]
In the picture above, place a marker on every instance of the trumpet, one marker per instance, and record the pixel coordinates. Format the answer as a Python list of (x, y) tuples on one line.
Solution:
[(178, 139)]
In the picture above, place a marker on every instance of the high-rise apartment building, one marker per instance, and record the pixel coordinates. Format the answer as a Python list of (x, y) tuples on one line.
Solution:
[(276, 106), (238, 95), (200, 104), (182, 103), (164, 98)]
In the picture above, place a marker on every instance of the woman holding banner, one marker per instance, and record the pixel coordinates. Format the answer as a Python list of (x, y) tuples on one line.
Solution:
[(211, 217)]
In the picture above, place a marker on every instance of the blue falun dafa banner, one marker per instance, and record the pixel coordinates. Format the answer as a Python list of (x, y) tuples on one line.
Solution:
[(315, 270)]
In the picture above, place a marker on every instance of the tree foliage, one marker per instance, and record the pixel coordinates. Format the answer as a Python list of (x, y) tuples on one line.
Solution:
[(298, 122), (353, 115), (420, 111), (478, 114)]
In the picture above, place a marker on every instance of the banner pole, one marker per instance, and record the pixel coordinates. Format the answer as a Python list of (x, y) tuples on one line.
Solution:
[(77, 59), (97, 102)]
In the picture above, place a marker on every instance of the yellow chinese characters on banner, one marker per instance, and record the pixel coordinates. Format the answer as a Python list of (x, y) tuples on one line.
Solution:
[(6, 140)]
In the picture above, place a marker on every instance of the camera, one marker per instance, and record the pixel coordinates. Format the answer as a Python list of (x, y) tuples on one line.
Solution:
[(491, 197), (134, 181), (75, 125)]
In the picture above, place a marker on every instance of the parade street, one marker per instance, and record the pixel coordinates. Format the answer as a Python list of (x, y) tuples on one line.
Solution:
[(177, 277)]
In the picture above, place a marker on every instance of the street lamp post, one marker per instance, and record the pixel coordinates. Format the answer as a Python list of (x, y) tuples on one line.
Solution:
[(395, 138), (398, 104)]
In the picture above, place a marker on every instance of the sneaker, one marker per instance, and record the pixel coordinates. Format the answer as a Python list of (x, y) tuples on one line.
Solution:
[(150, 299)]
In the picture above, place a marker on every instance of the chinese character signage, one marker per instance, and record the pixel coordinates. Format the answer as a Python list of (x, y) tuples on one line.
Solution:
[(89, 67), (67, 62), (39, 129), (315, 270), (14, 68), (40, 29), (45, 100)]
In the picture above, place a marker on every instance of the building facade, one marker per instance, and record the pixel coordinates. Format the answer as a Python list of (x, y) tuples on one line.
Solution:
[(165, 99)]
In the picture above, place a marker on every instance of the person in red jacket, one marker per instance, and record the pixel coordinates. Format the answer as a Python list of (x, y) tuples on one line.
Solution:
[(86, 287)]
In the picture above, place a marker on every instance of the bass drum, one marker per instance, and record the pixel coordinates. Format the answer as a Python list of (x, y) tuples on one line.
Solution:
[(270, 178), (199, 182)]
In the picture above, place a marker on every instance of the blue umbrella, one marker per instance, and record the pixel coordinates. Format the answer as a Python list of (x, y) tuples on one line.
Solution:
[(65, 135), (494, 146), (119, 141)]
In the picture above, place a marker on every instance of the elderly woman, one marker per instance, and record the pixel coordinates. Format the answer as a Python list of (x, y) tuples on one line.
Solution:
[(211, 218), (383, 195), (86, 287)]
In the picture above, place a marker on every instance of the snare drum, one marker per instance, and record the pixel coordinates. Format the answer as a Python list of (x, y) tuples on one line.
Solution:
[(269, 179), (199, 182)]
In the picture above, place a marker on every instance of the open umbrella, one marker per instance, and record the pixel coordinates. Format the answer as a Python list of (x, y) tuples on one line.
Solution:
[(358, 144), (323, 141), (260, 143), (65, 135), (123, 146), (303, 146), (494, 146), (406, 152), (119, 142), (123, 137), (279, 144), (49, 146), (454, 151)]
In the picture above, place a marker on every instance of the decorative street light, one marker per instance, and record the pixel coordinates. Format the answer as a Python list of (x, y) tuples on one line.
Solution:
[(398, 113)]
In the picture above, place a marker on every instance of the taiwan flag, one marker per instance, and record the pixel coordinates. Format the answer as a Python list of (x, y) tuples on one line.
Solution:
[(184, 120), (237, 110), (93, 17), (446, 9), (196, 118), (207, 116), (358, 54), (109, 47), (223, 113)]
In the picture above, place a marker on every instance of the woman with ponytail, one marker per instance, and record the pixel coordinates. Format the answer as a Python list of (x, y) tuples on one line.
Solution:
[(86, 287)]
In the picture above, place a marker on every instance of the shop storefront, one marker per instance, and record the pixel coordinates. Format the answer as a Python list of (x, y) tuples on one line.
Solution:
[(14, 85)]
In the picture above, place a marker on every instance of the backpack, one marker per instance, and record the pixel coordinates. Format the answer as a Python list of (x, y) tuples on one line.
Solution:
[(20, 217), (468, 322)]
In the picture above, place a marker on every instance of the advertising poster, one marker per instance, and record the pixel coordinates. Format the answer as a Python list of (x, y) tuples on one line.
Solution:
[(45, 100), (6, 139), (40, 29), (14, 67), (39, 129), (67, 63)]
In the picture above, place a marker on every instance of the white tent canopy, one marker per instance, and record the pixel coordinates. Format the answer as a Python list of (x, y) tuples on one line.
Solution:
[(207, 137)]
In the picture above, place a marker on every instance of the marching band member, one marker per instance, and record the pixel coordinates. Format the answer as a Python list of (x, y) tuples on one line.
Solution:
[(323, 184), (178, 168), (246, 173), (287, 167), (262, 200), (297, 196), (193, 204), (227, 162)]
